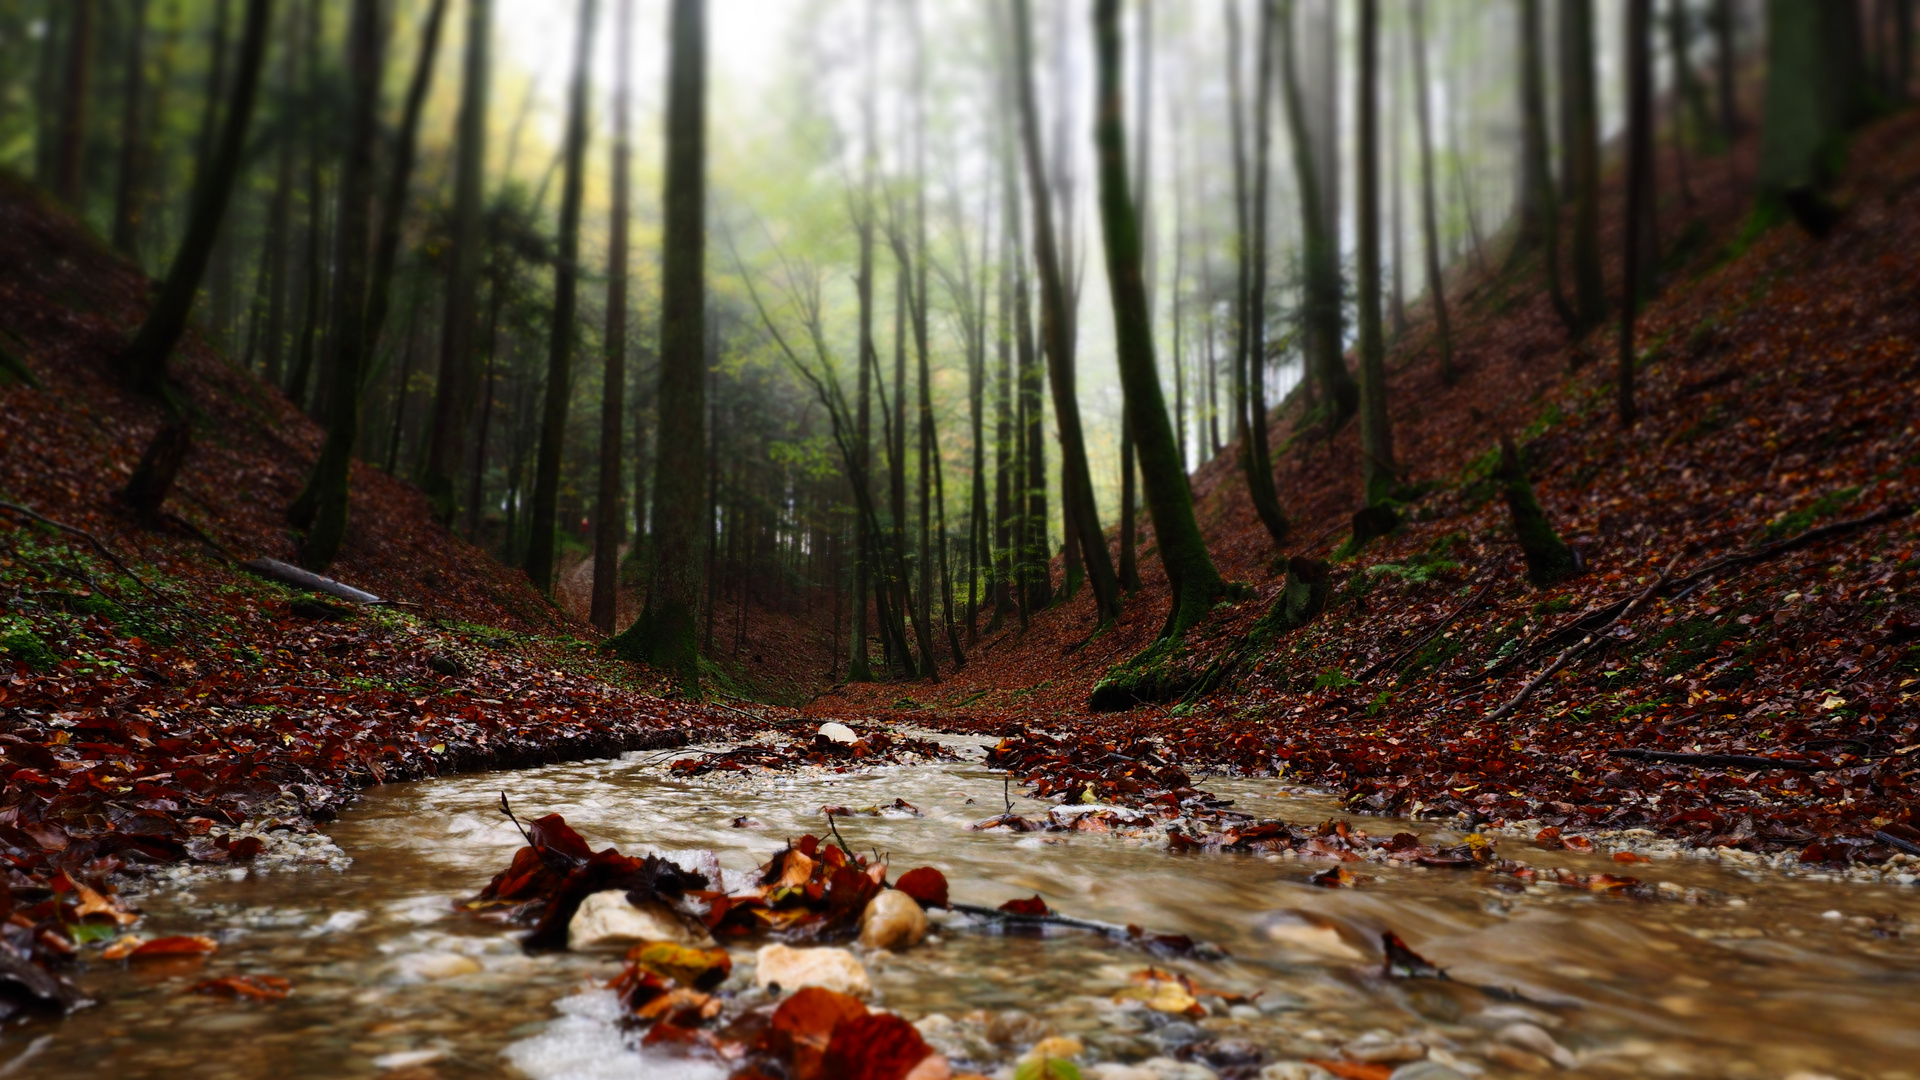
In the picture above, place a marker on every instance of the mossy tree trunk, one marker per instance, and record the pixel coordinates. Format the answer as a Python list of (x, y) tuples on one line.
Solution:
[(1195, 583), (1429, 212), (1548, 558), (1377, 469), (666, 633), (608, 523)]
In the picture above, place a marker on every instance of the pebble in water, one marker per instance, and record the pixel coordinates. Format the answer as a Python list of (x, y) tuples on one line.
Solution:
[(893, 920), (606, 920), (790, 969)]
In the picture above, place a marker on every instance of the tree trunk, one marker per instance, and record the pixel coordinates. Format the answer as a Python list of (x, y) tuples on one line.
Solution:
[(1397, 297), (1376, 436), (1639, 185), (128, 191), (664, 634), (1815, 93), (69, 165), (1056, 330), (1682, 93), (562, 332), (1194, 581), (1005, 458), (453, 386), (1583, 138), (145, 360), (1429, 214), (1533, 95), (311, 276), (280, 224), (394, 200), (321, 508), (1256, 455), (1322, 256), (608, 523), (1724, 69)]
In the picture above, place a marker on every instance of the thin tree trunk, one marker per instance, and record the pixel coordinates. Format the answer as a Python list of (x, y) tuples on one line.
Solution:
[(280, 224), (1257, 456), (1639, 174), (563, 334), (392, 456), (129, 189), (1533, 97), (321, 507), (312, 276), (1005, 457), (69, 175), (1583, 137), (453, 386), (1377, 470), (866, 562), (1429, 215), (1325, 342), (1194, 581), (1683, 92), (609, 525), (1077, 487), (400, 179), (489, 382), (145, 360), (1397, 302), (663, 635), (1724, 69)]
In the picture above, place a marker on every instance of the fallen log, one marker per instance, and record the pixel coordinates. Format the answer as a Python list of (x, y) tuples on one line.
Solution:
[(1173, 944), (1721, 761), (288, 574)]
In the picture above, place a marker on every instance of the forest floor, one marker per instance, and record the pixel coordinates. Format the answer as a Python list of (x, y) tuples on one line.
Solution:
[(146, 719)]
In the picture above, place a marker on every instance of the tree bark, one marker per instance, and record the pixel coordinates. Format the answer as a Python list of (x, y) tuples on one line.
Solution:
[(145, 360), (608, 523), (664, 634), (1256, 454), (312, 276), (1194, 581), (1056, 330), (321, 507), (1815, 93), (129, 189), (453, 386), (1583, 139), (1533, 94), (1322, 256), (1639, 185), (1429, 213), (1377, 470), (1724, 70), (563, 334), (69, 175)]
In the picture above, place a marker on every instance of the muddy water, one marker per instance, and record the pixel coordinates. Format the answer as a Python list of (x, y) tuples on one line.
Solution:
[(1732, 972)]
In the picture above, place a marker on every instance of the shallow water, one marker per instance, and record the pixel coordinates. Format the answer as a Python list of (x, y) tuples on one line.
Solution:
[(1732, 972)]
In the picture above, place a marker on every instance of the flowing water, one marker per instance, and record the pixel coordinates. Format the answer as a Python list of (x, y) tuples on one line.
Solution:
[(1731, 971)]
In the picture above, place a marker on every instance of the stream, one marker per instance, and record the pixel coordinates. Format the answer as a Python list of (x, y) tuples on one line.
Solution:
[(1728, 971)]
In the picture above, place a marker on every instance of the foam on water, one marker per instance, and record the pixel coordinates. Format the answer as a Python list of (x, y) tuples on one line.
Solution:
[(586, 1043)]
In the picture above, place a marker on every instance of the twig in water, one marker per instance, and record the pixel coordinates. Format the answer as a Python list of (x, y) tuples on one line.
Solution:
[(508, 810), (835, 829)]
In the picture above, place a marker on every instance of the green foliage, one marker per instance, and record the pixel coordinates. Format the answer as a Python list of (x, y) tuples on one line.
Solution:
[(1331, 679), (24, 646)]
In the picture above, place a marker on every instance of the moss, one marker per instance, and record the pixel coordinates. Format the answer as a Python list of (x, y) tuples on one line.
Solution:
[(25, 647), (1801, 520), (1549, 559)]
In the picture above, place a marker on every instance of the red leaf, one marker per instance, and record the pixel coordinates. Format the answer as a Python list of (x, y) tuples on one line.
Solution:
[(1035, 907), (878, 1046), (926, 885)]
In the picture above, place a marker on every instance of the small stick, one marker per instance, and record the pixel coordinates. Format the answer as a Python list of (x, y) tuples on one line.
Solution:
[(1395, 660), (1571, 652), (508, 810)]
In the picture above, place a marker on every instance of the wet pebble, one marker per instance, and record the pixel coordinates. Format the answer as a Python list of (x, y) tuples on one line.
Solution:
[(1427, 1070), (893, 920), (1294, 1070), (828, 968), (435, 966), (1534, 1039), (1178, 1033)]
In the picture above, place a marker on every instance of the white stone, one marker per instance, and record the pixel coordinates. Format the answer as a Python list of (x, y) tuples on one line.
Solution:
[(1534, 1039), (828, 968), (1294, 1070), (893, 920), (837, 732), (607, 921), (435, 965), (1168, 1069), (1109, 1070)]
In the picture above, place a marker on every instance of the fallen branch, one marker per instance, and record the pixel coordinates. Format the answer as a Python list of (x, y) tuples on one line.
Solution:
[(1893, 841), (1131, 935), (1573, 652), (288, 574), (102, 548), (1720, 761), (1396, 659)]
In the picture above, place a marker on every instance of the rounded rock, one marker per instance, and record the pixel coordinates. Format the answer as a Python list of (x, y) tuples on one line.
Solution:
[(828, 968), (606, 920), (893, 920)]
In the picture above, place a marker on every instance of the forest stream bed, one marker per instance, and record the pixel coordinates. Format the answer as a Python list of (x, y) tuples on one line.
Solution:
[(1718, 970)]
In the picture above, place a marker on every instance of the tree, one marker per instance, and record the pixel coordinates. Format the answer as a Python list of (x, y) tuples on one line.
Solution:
[(69, 163), (608, 525), (321, 507), (1578, 84), (128, 190), (1544, 228), (1639, 188), (145, 360), (1816, 92), (1142, 185), (453, 386), (1250, 212), (1056, 331), (562, 333), (1376, 437), (1183, 552), (866, 556), (665, 633), (1324, 341), (1724, 69), (1429, 215)]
